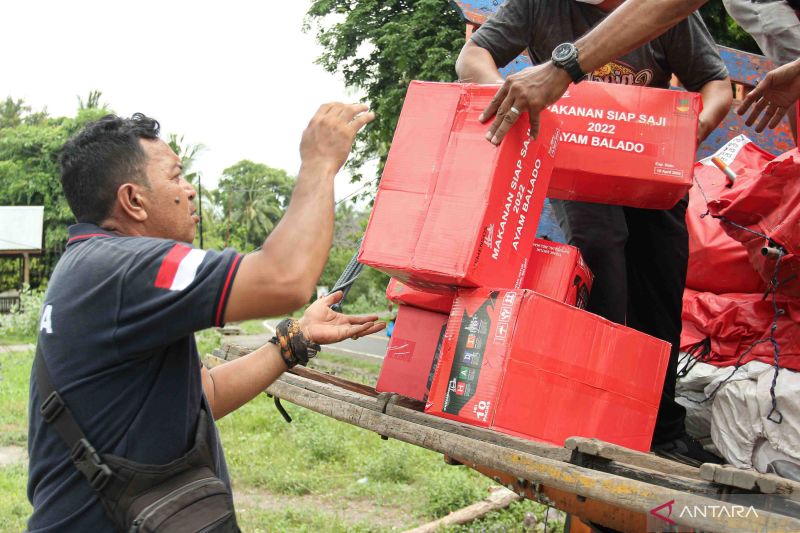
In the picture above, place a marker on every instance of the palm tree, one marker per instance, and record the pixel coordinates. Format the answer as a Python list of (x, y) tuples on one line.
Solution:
[(253, 197)]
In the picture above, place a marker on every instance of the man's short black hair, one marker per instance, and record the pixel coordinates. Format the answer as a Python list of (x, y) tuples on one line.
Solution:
[(100, 158)]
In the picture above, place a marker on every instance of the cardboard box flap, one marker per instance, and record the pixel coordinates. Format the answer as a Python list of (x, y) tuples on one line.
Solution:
[(424, 128), (463, 188)]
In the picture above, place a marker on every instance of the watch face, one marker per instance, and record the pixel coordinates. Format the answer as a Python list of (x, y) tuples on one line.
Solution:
[(563, 52)]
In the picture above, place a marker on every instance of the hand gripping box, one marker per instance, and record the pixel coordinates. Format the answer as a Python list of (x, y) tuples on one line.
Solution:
[(626, 145), (413, 352), (527, 365), (559, 271), (453, 209), (438, 301)]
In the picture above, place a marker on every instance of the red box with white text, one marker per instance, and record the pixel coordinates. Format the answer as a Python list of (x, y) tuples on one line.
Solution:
[(452, 209), (625, 145), (527, 365), (413, 352), (559, 271)]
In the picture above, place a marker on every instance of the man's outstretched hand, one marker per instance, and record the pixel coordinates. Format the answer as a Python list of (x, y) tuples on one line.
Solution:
[(531, 90), (323, 325), (773, 97), (329, 137)]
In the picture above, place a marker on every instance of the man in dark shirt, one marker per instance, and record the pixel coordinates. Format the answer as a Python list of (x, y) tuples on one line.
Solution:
[(117, 324), (638, 256), (633, 23)]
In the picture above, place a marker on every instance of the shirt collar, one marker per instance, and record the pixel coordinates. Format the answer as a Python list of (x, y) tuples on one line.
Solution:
[(82, 231)]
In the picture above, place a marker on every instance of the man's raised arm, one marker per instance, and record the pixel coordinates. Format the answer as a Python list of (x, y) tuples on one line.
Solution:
[(280, 277)]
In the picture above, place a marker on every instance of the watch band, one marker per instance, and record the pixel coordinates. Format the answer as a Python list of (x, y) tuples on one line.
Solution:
[(565, 56), (574, 70)]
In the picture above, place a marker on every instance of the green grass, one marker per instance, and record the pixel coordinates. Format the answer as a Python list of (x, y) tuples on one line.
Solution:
[(9, 340), (14, 506), (315, 474), (15, 371), (252, 327), (317, 457)]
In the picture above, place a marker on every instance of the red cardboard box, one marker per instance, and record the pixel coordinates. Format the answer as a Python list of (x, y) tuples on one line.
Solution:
[(559, 271), (453, 209), (413, 352), (527, 365), (400, 293), (626, 145)]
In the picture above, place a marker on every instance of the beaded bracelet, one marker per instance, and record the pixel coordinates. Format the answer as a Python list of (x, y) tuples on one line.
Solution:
[(295, 349)]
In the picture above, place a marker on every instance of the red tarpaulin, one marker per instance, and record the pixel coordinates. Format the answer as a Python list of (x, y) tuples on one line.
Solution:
[(733, 322), (767, 201), (717, 262)]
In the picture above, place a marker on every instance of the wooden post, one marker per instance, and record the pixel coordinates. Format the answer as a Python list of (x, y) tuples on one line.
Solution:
[(26, 269)]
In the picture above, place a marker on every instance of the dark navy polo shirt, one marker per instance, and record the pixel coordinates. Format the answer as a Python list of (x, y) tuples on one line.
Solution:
[(117, 334)]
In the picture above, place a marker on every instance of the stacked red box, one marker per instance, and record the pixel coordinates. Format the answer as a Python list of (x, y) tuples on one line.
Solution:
[(452, 209), (527, 365), (559, 271), (438, 301), (625, 144), (412, 353)]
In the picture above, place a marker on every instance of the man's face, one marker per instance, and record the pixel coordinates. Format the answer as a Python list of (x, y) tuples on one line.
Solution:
[(170, 207)]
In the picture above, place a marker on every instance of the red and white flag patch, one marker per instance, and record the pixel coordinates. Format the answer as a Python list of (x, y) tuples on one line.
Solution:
[(179, 267)]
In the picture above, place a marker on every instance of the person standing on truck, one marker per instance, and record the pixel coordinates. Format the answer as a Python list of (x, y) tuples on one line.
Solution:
[(121, 309), (633, 23), (638, 256)]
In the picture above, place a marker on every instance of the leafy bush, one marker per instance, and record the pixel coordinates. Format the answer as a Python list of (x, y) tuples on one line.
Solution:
[(449, 490), (391, 464), (23, 323), (325, 443)]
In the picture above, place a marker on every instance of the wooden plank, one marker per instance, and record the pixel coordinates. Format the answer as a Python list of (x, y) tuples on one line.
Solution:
[(615, 490), (613, 452), (500, 498), (577, 506), (395, 408), (751, 480)]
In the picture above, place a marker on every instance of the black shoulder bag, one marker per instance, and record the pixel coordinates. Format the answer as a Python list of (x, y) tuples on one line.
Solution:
[(182, 496)]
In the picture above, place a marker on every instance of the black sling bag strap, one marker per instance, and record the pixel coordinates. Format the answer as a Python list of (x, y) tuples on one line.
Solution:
[(56, 413), (184, 495)]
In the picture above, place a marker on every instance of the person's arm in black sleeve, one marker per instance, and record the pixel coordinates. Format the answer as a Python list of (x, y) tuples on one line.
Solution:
[(499, 40)]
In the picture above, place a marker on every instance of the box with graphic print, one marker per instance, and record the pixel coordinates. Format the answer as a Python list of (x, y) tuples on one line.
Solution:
[(452, 209), (626, 145), (527, 365), (559, 271), (412, 353)]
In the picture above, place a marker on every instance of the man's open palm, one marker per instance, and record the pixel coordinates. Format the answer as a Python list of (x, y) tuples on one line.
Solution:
[(323, 325)]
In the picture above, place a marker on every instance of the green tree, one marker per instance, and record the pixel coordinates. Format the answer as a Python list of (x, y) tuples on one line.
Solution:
[(368, 293), (379, 46), (188, 152), (252, 198), (725, 30), (29, 147)]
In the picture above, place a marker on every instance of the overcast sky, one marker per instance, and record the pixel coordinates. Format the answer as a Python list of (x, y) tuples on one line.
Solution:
[(237, 76)]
